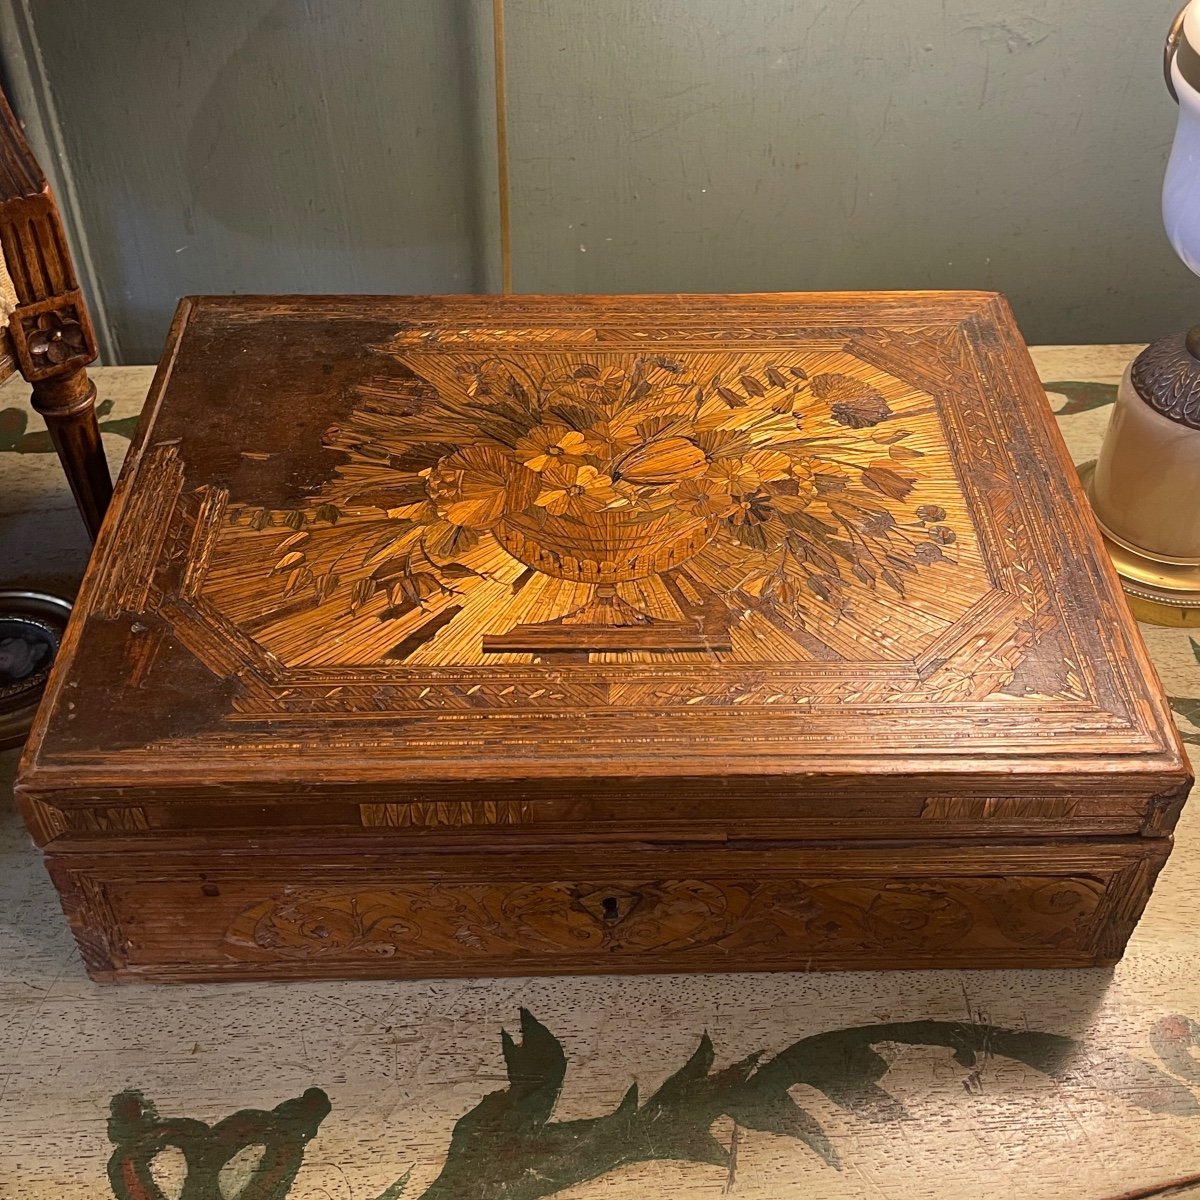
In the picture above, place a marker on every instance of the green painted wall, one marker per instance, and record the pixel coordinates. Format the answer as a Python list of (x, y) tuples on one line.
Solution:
[(690, 145), (264, 146)]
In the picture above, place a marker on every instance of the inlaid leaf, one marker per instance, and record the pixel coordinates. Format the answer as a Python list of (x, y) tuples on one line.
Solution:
[(775, 377), (845, 550), (298, 578), (886, 481), (731, 398), (753, 536), (327, 512), (824, 558), (751, 385), (799, 372), (663, 461), (652, 427), (786, 402), (289, 560), (573, 416), (448, 541), (391, 569), (689, 1145), (873, 521), (457, 570), (399, 535), (818, 528), (819, 586), (829, 483)]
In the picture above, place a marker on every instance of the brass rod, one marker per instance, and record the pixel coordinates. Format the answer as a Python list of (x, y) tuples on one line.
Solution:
[(502, 147)]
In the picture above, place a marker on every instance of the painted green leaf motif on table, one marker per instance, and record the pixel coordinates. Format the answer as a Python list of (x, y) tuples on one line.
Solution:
[(396, 1191), (1188, 708), (140, 1135), (1081, 396), (15, 438), (508, 1147)]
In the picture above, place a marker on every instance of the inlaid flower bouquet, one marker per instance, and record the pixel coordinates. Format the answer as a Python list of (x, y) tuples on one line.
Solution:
[(786, 487)]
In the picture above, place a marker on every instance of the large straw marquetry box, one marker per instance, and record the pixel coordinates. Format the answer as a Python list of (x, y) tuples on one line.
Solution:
[(475, 636)]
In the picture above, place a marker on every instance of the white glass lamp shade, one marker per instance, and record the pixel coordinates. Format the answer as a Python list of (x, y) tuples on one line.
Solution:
[(1181, 186)]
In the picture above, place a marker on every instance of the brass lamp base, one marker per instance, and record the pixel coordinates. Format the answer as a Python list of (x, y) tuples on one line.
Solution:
[(1161, 591)]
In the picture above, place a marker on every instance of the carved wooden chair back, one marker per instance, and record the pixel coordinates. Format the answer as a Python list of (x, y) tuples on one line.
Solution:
[(47, 334)]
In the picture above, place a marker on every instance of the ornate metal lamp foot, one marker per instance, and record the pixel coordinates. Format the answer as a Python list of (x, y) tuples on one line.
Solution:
[(1162, 591)]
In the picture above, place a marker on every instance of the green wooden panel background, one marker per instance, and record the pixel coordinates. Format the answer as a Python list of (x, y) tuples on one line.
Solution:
[(676, 145)]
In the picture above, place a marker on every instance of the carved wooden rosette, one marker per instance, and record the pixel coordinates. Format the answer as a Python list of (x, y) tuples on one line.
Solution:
[(600, 633)]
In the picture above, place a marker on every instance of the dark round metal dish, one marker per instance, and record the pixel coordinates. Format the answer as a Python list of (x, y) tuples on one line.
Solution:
[(31, 630)]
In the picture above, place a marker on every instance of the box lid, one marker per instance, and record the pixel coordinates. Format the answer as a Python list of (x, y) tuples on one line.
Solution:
[(457, 550)]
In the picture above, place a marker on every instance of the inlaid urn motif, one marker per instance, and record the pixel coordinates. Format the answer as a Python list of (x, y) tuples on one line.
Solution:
[(767, 475)]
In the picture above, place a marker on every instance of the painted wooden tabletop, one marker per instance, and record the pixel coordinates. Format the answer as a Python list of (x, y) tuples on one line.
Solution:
[(1068, 1084)]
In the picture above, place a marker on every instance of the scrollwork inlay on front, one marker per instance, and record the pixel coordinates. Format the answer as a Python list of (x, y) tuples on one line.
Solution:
[(777, 918)]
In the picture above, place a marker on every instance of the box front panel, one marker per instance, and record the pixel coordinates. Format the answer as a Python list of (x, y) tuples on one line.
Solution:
[(650, 910)]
